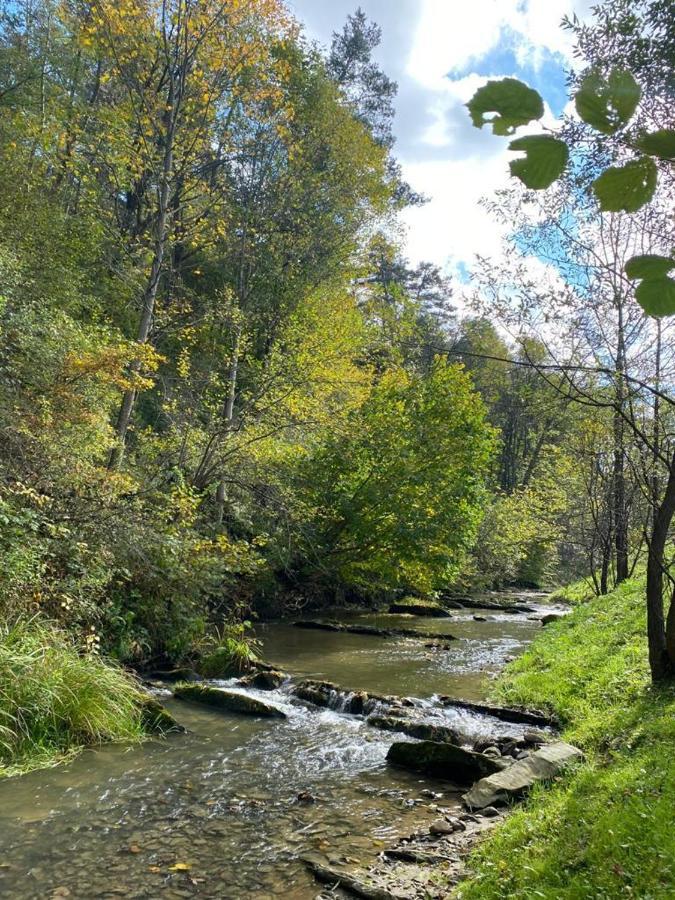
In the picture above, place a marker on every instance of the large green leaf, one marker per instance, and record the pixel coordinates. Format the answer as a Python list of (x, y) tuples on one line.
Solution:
[(512, 103), (607, 104), (657, 296), (649, 266), (545, 159), (659, 143), (627, 187)]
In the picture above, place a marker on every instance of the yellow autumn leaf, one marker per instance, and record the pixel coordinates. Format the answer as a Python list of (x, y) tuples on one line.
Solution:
[(180, 867)]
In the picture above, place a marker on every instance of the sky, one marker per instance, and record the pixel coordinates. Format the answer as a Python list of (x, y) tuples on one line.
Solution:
[(440, 52)]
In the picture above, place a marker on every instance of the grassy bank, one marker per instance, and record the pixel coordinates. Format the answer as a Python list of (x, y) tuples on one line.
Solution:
[(55, 699), (608, 829)]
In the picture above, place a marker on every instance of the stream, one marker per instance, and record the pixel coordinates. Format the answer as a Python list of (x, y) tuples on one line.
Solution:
[(215, 813)]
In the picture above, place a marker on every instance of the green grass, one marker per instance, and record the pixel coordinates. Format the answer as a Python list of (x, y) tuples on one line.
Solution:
[(55, 699), (606, 830)]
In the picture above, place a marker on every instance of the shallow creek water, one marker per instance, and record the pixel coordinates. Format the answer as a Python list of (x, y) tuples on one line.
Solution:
[(215, 813)]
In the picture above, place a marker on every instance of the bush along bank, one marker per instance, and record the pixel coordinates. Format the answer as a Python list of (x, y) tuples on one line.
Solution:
[(607, 829), (56, 699)]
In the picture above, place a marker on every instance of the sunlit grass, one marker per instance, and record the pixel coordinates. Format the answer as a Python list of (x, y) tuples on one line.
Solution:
[(608, 829), (55, 699)]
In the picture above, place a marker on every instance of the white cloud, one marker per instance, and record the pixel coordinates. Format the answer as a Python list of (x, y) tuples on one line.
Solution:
[(442, 154)]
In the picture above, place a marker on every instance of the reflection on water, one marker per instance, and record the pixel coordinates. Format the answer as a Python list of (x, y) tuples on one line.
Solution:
[(215, 813), (403, 666)]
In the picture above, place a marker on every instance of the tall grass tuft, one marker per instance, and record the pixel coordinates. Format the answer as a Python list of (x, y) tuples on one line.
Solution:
[(54, 698)]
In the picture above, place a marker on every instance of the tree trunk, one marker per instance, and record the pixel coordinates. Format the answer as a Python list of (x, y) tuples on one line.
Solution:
[(150, 293), (661, 638), (228, 416), (619, 475)]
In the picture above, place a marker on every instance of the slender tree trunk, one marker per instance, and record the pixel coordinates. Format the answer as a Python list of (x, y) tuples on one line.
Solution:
[(228, 416), (619, 475), (604, 571), (152, 286), (661, 640)]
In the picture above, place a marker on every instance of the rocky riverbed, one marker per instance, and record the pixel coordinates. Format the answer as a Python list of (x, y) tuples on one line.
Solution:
[(252, 805)]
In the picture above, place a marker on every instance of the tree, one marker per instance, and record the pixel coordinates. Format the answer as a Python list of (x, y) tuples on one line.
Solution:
[(396, 502), (606, 98)]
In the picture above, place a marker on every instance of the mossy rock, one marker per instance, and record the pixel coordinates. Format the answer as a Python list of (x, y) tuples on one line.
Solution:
[(443, 760), (227, 701), (155, 718), (264, 679), (417, 606)]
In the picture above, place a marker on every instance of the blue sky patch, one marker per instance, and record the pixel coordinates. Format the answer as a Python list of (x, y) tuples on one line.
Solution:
[(548, 76)]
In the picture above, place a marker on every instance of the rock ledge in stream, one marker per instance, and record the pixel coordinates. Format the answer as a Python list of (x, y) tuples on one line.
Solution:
[(424, 730), (325, 693), (421, 608), (371, 630), (514, 782), (443, 760), (227, 701), (516, 714)]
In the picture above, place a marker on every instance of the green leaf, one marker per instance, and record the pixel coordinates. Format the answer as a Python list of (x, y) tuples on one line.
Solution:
[(649, 266), (657, 296), (545, 159), (627, 187), (513, 103), (607, 104), (659, 143)]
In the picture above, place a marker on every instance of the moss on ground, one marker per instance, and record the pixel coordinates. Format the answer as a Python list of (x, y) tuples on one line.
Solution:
[(607, 830)]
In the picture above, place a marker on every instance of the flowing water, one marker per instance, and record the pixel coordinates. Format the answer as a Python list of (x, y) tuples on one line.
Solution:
[(215, 813)]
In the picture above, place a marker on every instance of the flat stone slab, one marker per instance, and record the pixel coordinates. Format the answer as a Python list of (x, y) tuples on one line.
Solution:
[(423, 729), (443, 760), (371, 630), (514, 782), (430, 610), (227, 701)]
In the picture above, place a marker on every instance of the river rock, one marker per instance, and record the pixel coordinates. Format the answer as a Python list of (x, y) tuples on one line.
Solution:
[(264, 680), (155, 718), (227, 701), (325, 693), (420, 608), (424, 730), (443, 760), (512, 783), (440, 826), (505, 713)]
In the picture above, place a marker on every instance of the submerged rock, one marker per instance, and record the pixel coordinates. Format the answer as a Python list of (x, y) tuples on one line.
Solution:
[(227, 701), (443, 760), (514, 782), (155, 718), (424, 730), (264, 680)]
